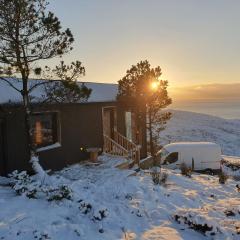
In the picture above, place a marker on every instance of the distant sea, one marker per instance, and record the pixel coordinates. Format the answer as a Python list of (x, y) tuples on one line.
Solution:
[(228, 109)]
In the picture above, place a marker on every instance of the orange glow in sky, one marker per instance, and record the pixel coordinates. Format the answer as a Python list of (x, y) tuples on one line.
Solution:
[(192, 50), (154, 85)]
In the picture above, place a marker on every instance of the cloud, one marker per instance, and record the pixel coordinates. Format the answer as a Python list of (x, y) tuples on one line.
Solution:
[(207, 92)]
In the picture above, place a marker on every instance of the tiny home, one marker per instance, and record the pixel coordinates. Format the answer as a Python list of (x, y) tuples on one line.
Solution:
[(197, 155), (64, 132)]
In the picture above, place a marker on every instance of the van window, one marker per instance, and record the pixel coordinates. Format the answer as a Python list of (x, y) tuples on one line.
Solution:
[(172, 158), (163, 153)]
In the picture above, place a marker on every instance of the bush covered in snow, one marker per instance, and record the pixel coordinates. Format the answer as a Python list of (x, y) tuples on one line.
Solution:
[(233, 165), (60, 193), (204, 221), (197, 222), (23, 184), (231, 168), (159, 178), (29, 186), (98, 214), (84, 207), (95, 214), (40, 236)]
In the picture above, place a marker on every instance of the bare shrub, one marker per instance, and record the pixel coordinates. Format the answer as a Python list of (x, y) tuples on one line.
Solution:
[(204, 227), (222, 177), (185, 170)]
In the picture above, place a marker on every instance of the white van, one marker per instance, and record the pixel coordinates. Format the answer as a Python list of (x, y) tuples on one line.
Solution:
[(197, 155)]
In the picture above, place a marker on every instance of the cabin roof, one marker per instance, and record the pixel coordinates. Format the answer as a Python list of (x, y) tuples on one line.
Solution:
[(101, 92)]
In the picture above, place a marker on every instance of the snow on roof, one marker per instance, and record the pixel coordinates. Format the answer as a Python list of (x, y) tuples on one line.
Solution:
[(101, 92), (186, 145), (193, 143)]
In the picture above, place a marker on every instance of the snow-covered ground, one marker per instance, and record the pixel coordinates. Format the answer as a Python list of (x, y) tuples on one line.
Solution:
[(189, 126), (108, 204)]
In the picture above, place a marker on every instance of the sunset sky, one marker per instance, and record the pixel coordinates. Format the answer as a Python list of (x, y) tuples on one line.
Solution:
[(196, 43)]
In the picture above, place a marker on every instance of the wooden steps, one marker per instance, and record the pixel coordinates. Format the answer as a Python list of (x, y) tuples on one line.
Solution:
[(121, 146)]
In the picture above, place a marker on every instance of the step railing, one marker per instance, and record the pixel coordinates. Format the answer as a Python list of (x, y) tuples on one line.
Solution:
[(113, 148), (123, 141), (121, 146)]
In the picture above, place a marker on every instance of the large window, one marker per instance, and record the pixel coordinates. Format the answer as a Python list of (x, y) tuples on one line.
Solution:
[(44, 129), (172, 158)]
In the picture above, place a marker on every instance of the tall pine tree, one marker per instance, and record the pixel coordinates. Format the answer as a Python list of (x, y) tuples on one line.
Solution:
[(143, 91), (29, 34)]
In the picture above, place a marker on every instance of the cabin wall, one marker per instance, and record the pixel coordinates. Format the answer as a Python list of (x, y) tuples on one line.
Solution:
[(80, 127), (2, 145), (15, 155)]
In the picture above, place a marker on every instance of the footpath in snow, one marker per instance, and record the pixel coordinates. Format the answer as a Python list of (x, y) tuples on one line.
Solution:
[(108, 204)]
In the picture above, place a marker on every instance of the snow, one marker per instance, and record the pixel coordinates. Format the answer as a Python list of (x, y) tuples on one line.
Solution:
[(52, 146), (101, 92), (40, 173), (192, 146), (195, 127), (231, 166), (108, 204)]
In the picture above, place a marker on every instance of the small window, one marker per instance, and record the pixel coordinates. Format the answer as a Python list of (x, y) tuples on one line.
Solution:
[(44, 129), (172, 158)]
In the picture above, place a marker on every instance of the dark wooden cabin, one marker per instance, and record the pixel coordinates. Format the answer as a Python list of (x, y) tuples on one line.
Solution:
[(63, 132)]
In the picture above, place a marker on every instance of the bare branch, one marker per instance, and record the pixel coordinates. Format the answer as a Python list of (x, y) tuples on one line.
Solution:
[(43, 82), (10, 84)]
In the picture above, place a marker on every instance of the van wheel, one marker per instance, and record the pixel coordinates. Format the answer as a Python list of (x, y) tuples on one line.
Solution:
[(209, 171)]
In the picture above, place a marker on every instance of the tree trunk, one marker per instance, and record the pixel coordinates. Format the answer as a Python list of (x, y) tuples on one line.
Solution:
[(32, 153), (27, 113), (152, 150)]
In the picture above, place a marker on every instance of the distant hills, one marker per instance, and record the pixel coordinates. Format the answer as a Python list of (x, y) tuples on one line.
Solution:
[(190, 126)]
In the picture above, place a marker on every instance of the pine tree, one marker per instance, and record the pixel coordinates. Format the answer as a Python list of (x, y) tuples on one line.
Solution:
[(142, 90), (29, 34), (66, 89)]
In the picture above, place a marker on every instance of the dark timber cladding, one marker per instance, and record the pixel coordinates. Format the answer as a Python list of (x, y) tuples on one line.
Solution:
[(78, 126), (2, 163)]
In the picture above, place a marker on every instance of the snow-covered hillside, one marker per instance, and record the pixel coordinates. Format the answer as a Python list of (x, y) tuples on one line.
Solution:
[(189, 126)]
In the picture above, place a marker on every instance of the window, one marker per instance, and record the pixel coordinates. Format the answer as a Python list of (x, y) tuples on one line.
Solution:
[(172, 158), (163, 153), (128, 123), (44, 129)]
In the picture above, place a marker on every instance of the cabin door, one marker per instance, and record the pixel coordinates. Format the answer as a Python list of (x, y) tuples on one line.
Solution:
[(109, 121), (2, 168)]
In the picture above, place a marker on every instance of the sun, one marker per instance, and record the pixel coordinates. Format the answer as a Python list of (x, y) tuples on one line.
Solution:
[(154, 85)]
